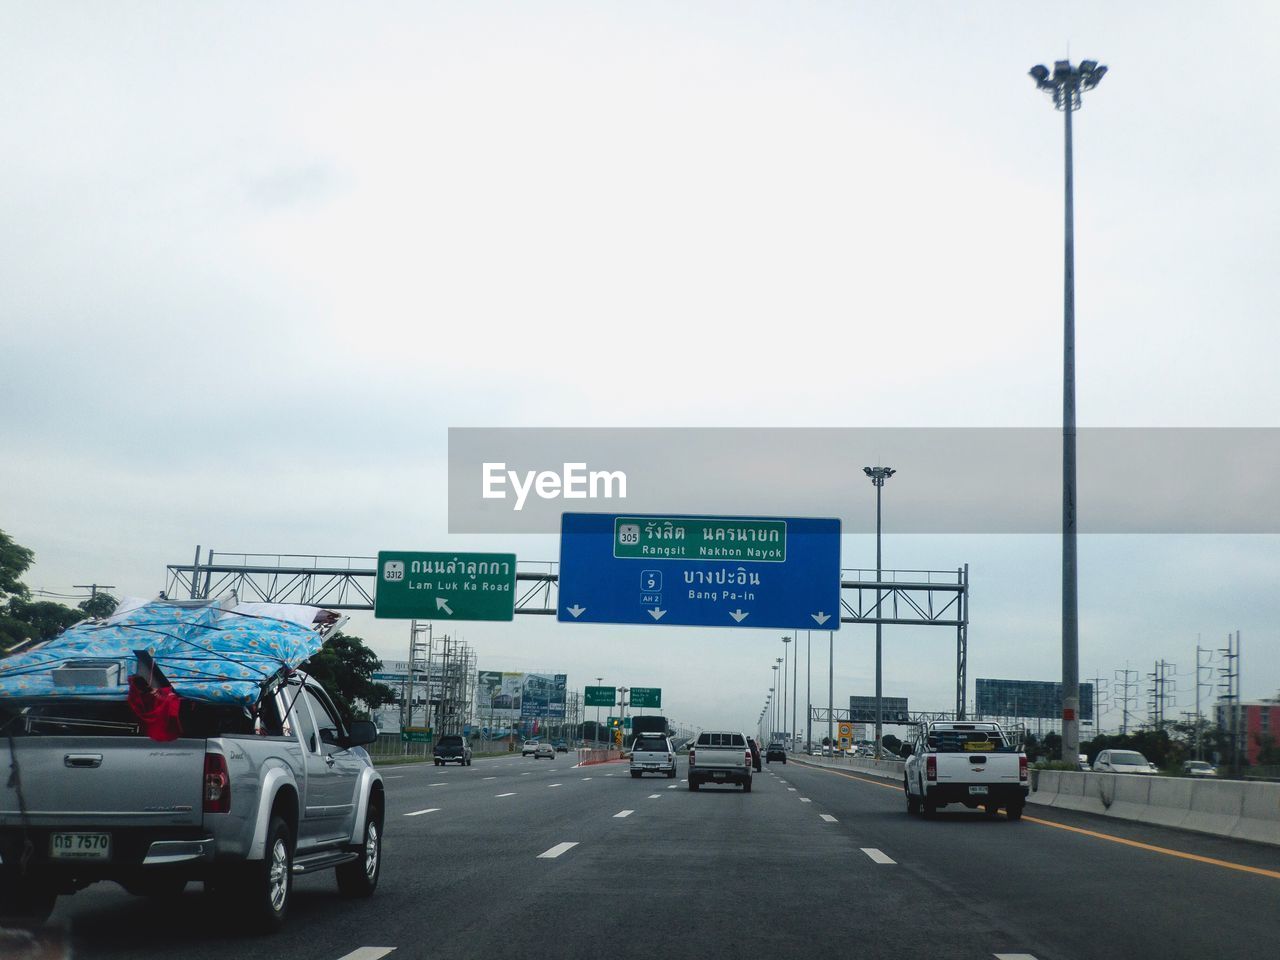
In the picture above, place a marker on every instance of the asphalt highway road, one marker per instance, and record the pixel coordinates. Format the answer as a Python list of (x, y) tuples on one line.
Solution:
[(516, 857)]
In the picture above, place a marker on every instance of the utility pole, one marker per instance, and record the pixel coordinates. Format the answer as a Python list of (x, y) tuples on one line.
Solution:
[(808, 689), (1099, 691), (1126, 684), (1065, 85), (786, 667), (831, 690)]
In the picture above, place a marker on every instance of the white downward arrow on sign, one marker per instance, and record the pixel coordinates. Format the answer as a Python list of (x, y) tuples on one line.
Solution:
[(576, 610), (443, 604), (739, 616), (821, 617), (656, 613)]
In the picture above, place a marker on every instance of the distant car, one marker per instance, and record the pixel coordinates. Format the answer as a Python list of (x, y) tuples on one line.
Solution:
[(452, 749), (544, 750), (529, 748), (775, 752), (755, 753), (1082, 762), (561, 746), (1199, 768), (1123, 761)]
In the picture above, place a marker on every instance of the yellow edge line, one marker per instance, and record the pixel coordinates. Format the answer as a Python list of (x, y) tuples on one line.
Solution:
[(1212, 861), (1181, 854)]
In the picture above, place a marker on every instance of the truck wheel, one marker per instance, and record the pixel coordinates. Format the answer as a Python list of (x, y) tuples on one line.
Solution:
[(746, 785), (930, 809), (24, 903), (359, 878), (991, 810), (635, 774), (693, 785), (268, 883), (1014, 810), (913, 803), (437, 762), (672, 774), (468, 761)]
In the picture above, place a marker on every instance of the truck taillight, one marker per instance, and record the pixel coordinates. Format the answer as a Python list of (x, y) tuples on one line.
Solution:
[(217, 784), (931, 768), (748, 759), (1022, 768), (691, 756)]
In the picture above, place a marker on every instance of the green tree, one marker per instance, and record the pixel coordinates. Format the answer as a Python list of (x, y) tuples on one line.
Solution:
[(344, 667), (14, 561), (44, 619), (891, 743), (99, 605)]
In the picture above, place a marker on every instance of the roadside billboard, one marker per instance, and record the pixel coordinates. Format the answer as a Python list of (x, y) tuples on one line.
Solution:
[(511, 696), (863, 709)]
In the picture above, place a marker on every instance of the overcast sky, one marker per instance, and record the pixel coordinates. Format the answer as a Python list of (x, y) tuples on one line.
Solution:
[(255, 261)]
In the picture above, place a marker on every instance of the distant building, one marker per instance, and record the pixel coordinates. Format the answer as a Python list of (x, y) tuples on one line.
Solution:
[(1258, 721)]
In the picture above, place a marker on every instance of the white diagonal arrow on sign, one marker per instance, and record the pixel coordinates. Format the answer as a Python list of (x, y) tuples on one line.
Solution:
[(738, 615), (443, 604), (657, 613), (576, 611), (821, 617)]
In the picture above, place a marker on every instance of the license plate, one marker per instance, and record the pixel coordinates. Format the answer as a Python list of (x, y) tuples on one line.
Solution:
[(718, 776), (80, 846), (978, 790)]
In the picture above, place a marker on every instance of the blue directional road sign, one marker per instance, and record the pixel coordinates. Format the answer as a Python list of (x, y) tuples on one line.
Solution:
[(696, 571)]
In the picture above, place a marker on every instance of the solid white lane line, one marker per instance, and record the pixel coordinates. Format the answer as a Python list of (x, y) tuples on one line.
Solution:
[(654, 796), (876, 855), (827, 817), (624, 813), (504, 794), (368, 953), (418, 813), (558, 849), (805, 800)]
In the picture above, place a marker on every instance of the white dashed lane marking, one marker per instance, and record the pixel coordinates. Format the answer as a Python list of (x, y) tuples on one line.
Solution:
[(791, 789), (1014, 956), (876, 855), (805, 800), (555, 785), (418, 813), (490, 778), (558, 849), (624, 813), (827, 817), (672, 787), (654, 796), (504, 794), (368, 953)]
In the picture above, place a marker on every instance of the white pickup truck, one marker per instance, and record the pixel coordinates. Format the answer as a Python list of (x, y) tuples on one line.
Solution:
[(652, 753), (973, 763), (720, 756)]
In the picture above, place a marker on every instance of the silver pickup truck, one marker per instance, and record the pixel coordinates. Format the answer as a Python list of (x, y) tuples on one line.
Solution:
[(720, 756), (242, 802)]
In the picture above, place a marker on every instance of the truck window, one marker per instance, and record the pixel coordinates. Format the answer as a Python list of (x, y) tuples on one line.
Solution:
[(327, 724)]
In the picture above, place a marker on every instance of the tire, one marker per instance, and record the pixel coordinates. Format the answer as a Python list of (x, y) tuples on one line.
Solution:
[(784, 761), (266, 886), (930, 809), (672, 774), (359, 878), (991, 810), (23, 903), (913, 803), (438, 763), (468, 761), (635, 774), (1014, 810), (746, 785), (693, 785)]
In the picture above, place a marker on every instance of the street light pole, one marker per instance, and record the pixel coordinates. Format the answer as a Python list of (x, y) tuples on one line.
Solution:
[(878, 476), (808, 690), (1065, 85), (786, 641)]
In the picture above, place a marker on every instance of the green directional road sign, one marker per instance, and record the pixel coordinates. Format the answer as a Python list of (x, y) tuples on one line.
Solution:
[(416, 735), (646, 696), (600, 697), (445, 586)]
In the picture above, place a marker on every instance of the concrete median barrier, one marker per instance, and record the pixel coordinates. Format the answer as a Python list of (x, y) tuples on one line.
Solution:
[(1225, 808)]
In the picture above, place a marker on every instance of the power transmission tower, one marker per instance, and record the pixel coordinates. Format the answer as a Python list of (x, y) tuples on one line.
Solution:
[(1204, 668), (1101, 699), (1158, 698), (1229, 697), (1126, 693)]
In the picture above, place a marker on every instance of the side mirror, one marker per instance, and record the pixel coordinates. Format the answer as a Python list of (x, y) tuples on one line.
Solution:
[(362, 732)]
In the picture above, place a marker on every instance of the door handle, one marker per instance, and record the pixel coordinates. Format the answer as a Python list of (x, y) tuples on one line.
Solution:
[(83, 760), (328, 761)]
